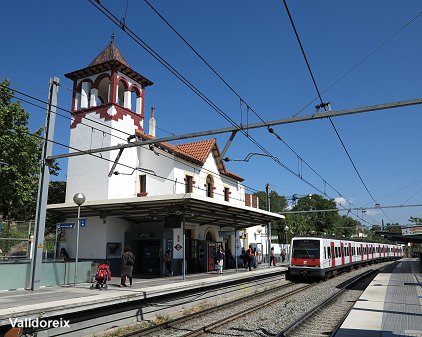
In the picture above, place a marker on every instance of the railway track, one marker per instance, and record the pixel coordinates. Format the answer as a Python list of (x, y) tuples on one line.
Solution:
[(184, 327), (325, 318), (265, 313)]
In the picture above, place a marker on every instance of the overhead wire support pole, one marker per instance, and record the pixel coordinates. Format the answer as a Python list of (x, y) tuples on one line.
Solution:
[(41, 211), (290, 120)]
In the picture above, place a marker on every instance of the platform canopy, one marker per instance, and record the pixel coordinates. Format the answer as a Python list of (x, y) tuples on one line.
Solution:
[(197, 209)]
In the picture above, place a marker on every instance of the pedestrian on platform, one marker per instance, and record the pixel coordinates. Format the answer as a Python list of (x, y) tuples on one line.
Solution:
[(283, 255), (250, 257), (220, 260), (272, 257), (244, 258), (63, 254), (128, 260), (167, 260)]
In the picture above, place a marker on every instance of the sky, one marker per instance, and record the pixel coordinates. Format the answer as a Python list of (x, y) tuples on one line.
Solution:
[(252, 46)]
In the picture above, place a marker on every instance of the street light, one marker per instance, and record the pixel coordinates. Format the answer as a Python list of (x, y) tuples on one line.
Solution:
[(286, 228), (258, 231), (78, 199)]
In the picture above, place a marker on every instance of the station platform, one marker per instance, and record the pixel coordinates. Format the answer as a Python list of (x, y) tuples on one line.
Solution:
[(390, 306), (58, 301)]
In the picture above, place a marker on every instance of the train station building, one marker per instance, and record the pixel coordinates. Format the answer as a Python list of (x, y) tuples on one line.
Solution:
[(156, 197)]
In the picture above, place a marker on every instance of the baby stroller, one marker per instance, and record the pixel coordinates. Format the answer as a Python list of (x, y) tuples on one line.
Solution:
[(102, 276)]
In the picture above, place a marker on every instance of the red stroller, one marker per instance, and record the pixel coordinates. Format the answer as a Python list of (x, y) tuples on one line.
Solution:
[(102, 276)]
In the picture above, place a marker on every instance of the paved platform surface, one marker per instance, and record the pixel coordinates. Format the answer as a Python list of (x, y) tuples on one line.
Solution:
[(57, 301), (390, 306)]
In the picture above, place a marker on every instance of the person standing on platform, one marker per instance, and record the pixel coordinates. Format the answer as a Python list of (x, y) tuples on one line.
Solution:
[(128, 260), (63, 254), (220, 260), (283, 255), (272, 257), (254, 258), (167, 261), (250, 257)]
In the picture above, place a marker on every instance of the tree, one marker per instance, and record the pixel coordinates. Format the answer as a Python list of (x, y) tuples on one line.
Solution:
[(415, 220), (21, 152), (56, 195), (278, 203), (317, 222)]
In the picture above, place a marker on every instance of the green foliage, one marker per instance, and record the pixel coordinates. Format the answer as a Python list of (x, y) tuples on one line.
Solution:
[(22, 152), (415, 220), (321, 223), (278, 203), (56, 195)]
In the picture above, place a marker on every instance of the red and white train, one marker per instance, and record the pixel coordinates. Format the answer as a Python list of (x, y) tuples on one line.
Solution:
[(324, 257)]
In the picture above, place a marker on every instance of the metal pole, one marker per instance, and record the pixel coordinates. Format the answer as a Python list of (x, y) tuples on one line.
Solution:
[(184, 243), (267, 193), (39, 227), (235, 243), (325, 114), (55, 242), (77, 245)]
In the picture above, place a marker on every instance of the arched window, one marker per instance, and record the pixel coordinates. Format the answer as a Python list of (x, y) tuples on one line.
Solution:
[(104, 90), (209, 186), (209, 237)]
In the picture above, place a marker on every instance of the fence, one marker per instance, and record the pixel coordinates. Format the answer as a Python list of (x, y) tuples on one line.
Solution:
[(16, 239)]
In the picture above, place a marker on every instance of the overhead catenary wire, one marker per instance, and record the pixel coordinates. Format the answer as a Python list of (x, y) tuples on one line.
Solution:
[(66, 117), (351, 69), (155, 55), (320, 98), (98, 118), (242, 100), (100, 157)]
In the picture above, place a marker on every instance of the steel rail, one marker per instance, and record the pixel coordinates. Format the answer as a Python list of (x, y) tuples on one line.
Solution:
[(302, 320), (171, 324)]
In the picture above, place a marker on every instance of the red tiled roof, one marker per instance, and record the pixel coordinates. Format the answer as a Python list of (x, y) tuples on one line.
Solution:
[(196, 152), (199, 150), (109, 53)]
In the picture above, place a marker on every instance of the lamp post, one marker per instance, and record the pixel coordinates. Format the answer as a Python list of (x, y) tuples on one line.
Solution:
[(286, 229), (259, 230), (78, 199)]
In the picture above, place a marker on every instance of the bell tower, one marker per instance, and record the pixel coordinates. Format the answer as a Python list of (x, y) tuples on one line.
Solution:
[(107, 107)]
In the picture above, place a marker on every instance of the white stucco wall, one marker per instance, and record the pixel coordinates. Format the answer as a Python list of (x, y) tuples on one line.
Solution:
[(88, 174)]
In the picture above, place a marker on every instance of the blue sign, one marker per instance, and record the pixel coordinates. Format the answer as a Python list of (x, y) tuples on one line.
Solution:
[(82, 222), (66, 225)]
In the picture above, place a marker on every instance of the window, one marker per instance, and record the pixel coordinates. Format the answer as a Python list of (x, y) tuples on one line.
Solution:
[(226, 194), (305, 249), (143, 183), (209, 186), (188, 184)]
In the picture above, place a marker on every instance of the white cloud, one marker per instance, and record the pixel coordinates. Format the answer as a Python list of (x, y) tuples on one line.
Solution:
[(340, 201)]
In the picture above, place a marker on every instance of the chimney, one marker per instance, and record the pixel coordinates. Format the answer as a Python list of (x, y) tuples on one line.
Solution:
[(152, 123)]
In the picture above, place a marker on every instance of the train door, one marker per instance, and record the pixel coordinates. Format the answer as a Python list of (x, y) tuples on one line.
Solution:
[(361, 252), (372, 250), (333, 255), (367, 252), (342, 252)]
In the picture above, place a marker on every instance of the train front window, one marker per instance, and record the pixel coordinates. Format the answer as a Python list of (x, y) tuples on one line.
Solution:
[(305, 249)]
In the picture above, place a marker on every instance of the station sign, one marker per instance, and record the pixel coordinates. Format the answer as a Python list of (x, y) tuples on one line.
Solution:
[(82, 222), (63, 225)]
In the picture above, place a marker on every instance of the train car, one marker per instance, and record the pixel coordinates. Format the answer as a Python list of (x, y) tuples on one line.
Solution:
[(324, 257)]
